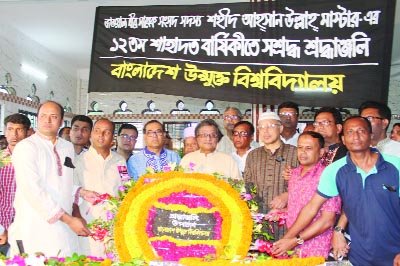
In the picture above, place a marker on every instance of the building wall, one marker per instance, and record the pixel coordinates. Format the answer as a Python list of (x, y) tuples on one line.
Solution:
[(16, 48)]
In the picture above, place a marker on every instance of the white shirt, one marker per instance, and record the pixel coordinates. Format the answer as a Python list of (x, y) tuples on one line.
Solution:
[(226, 145), (389, 146), (292, 140), (215, 162), (40, 196), (93, 172), (241, 160)]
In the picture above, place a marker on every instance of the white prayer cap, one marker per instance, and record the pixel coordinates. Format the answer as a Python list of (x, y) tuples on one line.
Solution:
[(189, 132), (268, 115)]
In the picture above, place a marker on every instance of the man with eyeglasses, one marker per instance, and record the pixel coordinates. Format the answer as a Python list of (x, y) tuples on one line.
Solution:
[(243, 135), (328, 122), (81, 127), (208, 159), (289, 115), (101, 170), (367, 181), (126, 140), (232, 115), (379, 115), (265, 166), (154, 155)]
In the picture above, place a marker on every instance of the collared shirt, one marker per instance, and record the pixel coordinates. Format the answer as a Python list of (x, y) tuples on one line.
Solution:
[(389, 146), (93, 172), (226, 145), (241, 160), (42, 194), (84, 149), (265, 171), (215, 162), (368, 203), (7, 191), (138, 163), (292, 140), (301, 190)]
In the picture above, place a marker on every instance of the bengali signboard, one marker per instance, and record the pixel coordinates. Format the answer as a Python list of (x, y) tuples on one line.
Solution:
[(312, 52), (182, 225)]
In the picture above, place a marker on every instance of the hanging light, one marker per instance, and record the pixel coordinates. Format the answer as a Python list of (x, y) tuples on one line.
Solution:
[(33, 71)]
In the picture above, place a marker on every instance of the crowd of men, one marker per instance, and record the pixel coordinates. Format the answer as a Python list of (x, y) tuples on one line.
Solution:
[(334, 168)]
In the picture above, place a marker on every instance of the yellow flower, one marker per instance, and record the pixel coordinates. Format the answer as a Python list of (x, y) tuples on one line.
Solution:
[(150, 170)]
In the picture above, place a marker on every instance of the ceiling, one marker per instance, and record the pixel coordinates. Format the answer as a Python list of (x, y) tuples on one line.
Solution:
[(65, 27)]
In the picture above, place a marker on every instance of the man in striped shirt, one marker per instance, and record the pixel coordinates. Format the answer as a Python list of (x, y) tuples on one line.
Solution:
[(16, 129), (265, 166)]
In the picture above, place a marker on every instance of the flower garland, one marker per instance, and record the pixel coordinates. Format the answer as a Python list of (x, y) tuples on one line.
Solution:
[(40, 259), (313, 261), (141, 199)]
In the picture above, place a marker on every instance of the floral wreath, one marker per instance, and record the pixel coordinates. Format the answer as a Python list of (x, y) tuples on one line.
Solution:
[(132, 219)]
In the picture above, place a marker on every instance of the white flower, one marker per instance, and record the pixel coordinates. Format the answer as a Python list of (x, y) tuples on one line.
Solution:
[(35, 261)]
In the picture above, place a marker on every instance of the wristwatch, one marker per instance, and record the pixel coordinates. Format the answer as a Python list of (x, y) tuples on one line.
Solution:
[(300, 241), (339, 229)]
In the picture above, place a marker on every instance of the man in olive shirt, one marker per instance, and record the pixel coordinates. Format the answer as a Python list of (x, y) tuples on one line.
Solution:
[(265, 165)]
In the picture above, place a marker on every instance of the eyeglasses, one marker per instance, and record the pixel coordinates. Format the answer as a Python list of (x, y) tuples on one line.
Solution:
[(322, 123), (128, 137), (288, 114), (240, 133), (157, 133), (266, 126), (371, 118), (231, 117), (205, 135)]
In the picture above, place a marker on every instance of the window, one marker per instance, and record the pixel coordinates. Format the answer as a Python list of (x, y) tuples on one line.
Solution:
[(32, 117), (175, 130)]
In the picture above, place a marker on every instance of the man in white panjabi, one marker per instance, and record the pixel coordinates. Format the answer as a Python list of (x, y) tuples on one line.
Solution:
[(45, 192), (208, 159), (101, 170)]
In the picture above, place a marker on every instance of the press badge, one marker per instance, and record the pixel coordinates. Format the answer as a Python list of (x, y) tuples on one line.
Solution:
[(123, 173)]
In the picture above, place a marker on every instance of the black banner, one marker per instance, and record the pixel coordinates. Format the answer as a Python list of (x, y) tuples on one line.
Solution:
[(313, 52), (181, 225)]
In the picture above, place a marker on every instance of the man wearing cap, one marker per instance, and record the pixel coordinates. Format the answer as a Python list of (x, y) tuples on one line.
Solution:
[(265, 165), (189, 141)]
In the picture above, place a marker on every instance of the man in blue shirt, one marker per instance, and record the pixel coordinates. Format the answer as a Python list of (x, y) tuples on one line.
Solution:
[(154, 154), (368, 183)]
